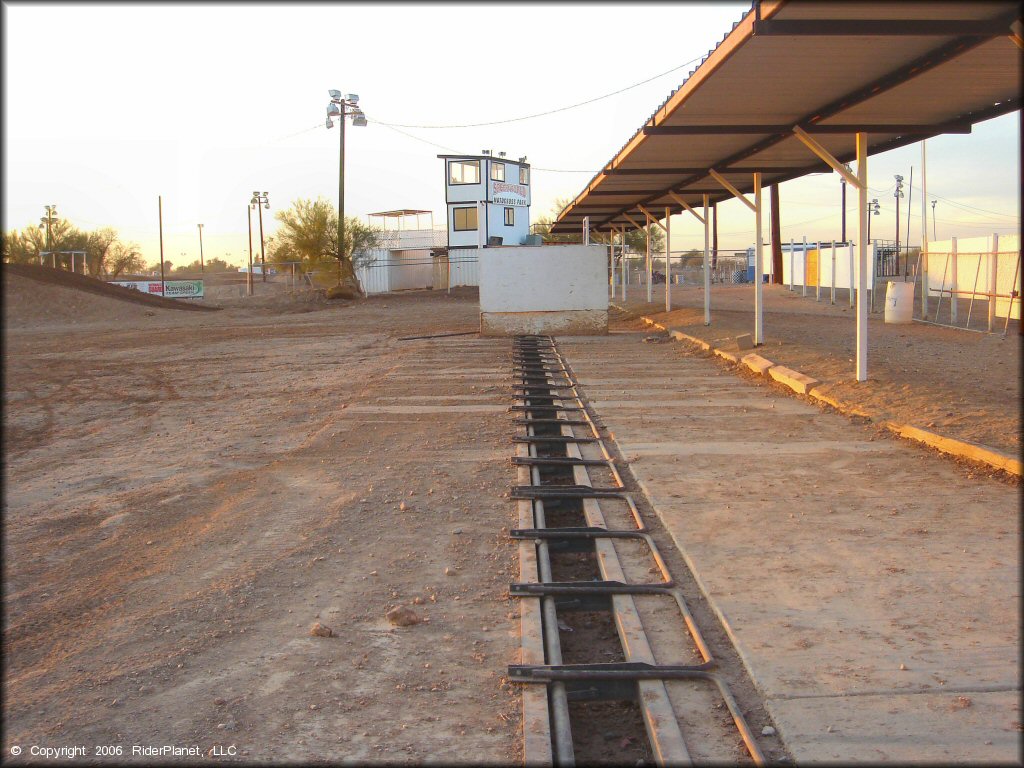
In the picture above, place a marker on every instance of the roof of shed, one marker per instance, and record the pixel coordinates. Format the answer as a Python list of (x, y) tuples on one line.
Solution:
[(898, 71)]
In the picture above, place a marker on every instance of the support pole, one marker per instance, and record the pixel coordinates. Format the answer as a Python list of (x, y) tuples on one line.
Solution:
[(776, 236), (650, 269), (611, 264), (758, 266), (817, 277), (707, 265), (803, 278), (792, 276), (832, 275), (668, 260), (993, 267), (924, 235), (160, 206), (586, 230), (862, 245), (955, 299), (852, 270), (622, 255)]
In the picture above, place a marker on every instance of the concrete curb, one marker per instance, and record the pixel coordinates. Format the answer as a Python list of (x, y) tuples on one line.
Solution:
[(805, 385), (958, 448)]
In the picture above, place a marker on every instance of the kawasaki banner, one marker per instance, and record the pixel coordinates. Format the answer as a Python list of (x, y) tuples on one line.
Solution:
[(176, 289)]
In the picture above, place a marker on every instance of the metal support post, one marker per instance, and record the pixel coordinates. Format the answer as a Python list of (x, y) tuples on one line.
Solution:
[(803, 279), (832, 275), (993, 267), (955, 298), (924, 234), (707, 265), (622, 255), (792, 277), (586, 230), (650, 270), (852, 270), (817, 277), (862, 245), (668, 260), (758, 266)]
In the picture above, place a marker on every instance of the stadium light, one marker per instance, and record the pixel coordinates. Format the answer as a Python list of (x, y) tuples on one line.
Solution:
[(340, 108)]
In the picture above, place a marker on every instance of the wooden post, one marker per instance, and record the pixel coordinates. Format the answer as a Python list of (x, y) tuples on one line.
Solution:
[(776, 237)]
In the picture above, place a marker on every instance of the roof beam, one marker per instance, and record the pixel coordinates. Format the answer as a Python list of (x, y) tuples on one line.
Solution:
[(632, 221), (697, 169), (735, 192), (882, 27), (685, 205), (652, 217), (903, 129), (825, 155)]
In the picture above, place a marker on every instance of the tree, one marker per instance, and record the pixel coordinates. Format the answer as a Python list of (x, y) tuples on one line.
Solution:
[(219, 265), (309, 234), (124, 257), (97, 248)]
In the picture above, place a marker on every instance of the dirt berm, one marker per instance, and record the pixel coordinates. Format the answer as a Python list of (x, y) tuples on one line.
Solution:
[(92, 285)]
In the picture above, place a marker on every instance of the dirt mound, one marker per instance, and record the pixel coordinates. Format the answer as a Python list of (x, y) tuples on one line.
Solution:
[(78, 282), (31, 303)]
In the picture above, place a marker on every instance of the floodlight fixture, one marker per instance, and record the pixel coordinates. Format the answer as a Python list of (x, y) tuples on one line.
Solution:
[(334, 94), (333, 110), (329, 123), (353, 97), (359, 120)]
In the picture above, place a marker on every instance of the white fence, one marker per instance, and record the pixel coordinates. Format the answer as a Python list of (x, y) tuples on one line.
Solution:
[(383, 270), (967, 273)]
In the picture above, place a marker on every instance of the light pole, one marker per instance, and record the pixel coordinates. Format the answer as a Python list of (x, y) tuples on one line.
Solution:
[(257, 200), (342, 107), (248, 276), (934, 236), (872, 209), (202, 268), (897, 194), (47, 220)]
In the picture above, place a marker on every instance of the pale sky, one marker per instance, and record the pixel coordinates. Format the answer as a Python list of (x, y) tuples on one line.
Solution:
[(108, 106)]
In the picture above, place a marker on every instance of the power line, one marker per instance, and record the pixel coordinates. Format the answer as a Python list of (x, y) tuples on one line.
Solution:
[(548, 112)]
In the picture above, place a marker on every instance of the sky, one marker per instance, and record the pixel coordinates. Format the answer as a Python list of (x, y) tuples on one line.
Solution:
[(107, 107)]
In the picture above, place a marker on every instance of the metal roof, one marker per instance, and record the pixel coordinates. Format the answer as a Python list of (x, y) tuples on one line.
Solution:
[(898, 71), (398, 213)]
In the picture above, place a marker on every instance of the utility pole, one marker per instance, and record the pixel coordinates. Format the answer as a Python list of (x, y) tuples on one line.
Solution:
[(202, 268), (160, 203), (248, 277), (897, 194), (934, 236), (51, 212), (259, 199)]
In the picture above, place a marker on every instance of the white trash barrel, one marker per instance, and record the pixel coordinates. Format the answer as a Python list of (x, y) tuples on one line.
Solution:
[(899, 302)]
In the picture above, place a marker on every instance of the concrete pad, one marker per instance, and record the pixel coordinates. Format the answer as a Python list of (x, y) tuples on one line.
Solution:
[(864, 586), (427, 408), (963, 727), (756, 363), (795, 380)]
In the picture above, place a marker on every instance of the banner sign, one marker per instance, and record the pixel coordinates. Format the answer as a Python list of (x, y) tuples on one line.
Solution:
[(176, 289), (503, 193)]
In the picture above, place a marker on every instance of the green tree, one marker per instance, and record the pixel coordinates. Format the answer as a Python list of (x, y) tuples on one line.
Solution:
[(219, 265), (309, 234), (97, 247), (124, 258)]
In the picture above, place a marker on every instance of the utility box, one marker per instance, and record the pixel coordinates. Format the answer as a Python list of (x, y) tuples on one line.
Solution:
[(552, 290)]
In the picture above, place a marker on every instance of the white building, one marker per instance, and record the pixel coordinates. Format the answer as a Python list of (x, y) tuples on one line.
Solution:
[(488, 200)]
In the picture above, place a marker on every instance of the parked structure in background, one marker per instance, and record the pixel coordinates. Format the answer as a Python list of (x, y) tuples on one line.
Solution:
[(488, 200)]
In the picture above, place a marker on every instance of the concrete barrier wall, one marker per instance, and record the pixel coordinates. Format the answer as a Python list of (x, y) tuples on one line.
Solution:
[(555, 289)]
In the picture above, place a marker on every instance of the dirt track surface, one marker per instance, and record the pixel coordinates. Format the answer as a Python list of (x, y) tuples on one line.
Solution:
[(188, 493), (958, 384)]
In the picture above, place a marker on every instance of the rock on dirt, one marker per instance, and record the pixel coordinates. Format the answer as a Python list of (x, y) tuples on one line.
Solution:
[(403, 616), (319, 630)]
